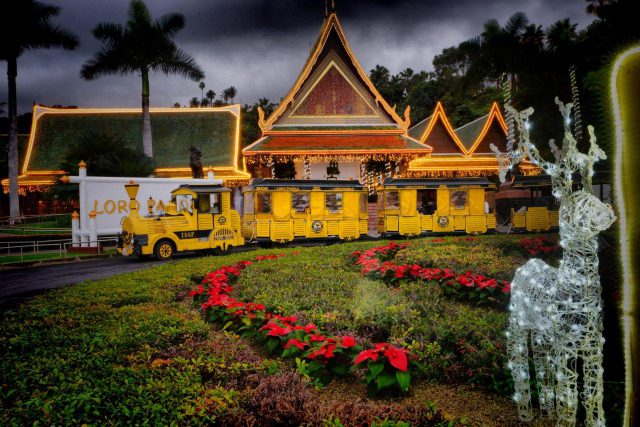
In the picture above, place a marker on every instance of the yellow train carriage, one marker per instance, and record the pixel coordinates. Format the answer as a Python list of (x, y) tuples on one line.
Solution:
[(539, 212), (198, 217), (411, 207), (290, 210)]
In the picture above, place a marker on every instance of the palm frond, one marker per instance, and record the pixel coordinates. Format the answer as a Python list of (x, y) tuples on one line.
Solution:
[(106, 62), (170, 24), (108, 33), (183, 64), (48, 36), (138, 14)]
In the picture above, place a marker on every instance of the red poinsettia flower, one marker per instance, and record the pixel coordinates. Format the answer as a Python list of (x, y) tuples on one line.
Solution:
[(397, 357), (347, 342), (275, 330), (316, 337), (296, 342), (366, 355), (506, 287), (326, 352)]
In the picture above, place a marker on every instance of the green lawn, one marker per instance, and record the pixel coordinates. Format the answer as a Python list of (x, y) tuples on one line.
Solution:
[(132, 350)]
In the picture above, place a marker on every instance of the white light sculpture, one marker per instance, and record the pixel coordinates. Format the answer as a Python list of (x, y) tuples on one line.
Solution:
[(559, 311)]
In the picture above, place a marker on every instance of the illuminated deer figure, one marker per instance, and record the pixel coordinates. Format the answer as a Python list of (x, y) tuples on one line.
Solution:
[(559, 310)]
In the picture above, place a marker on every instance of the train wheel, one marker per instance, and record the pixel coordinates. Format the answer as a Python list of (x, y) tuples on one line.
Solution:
[(164, 250), (221, 251)]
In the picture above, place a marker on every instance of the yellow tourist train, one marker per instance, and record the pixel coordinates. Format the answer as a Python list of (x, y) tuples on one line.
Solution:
[(289, 210), (412, 207), (536, 213), (199, 217)]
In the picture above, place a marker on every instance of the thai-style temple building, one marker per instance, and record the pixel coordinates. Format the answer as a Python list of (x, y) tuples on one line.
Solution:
[(215, 131), (333, 120), (333, 123)]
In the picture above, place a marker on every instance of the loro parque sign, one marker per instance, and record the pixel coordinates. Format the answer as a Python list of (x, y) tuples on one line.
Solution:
[(104, 201)]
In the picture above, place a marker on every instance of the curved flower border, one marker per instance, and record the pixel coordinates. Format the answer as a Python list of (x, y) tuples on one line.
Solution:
[(376, 263), (317, 355)]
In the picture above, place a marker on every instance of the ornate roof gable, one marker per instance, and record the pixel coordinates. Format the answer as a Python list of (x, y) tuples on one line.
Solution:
[(332, 89), (494, 131), (440, 135)]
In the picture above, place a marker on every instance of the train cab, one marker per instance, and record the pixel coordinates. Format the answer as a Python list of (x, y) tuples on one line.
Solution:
[(287, 210), (412, 207)]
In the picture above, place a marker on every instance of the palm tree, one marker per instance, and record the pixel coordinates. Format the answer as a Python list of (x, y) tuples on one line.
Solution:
[(229, 94), (203, 102), (211, 95), (140, 47), (30, 29), (194, 102)]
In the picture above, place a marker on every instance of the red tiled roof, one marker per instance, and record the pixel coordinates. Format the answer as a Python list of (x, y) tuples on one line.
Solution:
[(336, 142)]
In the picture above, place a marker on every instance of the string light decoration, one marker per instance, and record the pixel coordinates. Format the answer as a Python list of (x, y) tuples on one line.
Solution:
[(560, 310), (506, 99), (306, 166), (387, 169), (575, 98), (370, 183), (363, 173), (271, 164)]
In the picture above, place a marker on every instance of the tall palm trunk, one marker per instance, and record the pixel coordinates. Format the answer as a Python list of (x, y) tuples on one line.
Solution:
[(14, 201), (147, 142)]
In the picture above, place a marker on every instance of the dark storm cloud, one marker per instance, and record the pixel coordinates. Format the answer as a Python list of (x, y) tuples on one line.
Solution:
[(259, 46)]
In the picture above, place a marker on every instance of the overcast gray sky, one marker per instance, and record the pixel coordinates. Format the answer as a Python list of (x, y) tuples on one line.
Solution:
[(259, 46)]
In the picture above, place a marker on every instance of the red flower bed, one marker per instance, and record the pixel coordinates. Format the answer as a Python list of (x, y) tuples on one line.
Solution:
[(540, 246), (376, 263), (322, 357)]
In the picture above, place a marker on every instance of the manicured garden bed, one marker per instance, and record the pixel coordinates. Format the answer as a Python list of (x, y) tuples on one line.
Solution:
[(132, 349)]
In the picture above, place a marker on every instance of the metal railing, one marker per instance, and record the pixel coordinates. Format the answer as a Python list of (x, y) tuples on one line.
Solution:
[(61, 247)]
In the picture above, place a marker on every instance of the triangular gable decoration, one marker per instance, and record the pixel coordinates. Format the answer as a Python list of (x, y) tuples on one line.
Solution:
[(440, 135), (333, 65)]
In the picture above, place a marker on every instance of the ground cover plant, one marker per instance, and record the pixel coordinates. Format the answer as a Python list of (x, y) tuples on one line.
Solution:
[(131, 349), (452, 341)]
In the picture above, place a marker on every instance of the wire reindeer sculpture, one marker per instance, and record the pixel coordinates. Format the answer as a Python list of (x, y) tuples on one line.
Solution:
[(559, 310)]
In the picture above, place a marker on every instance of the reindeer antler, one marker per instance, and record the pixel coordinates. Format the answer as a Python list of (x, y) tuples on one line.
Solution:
[(568, 159)]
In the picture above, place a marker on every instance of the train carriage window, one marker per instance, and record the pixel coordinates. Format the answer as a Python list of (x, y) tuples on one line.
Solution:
[(333, 202), (248, 203), (393, 201), (300, 202), (203, 203), (263, 203), (459, 199), (216, 203), (184, 202), (426, 201), (364, 203)]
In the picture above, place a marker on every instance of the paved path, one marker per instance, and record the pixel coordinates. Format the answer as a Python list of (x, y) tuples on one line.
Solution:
[(20, 284), (33, 279)]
